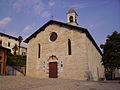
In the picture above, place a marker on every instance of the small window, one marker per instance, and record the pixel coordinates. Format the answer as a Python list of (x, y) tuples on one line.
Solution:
[(23, 53), (71, 18), (69, 47), (53, 36), (38, 50), (61, 65), (8, 44), (0, 42)]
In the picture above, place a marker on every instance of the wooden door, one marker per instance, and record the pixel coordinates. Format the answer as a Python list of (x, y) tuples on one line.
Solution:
[(0, 67), (53, 70)]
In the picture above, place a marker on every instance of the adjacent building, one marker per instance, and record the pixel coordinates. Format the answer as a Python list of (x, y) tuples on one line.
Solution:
[(63, 50), (3, 59), (9, 42), (23, 51)]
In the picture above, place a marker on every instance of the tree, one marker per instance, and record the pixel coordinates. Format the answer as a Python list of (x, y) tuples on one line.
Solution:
[(111, 52), (16, 60), (20, 40), (15, 48)]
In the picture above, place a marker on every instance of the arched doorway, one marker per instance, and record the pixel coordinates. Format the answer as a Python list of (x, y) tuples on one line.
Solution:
[(53, 67)]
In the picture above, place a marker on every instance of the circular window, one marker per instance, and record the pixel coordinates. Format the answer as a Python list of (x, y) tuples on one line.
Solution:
[(53, 36)]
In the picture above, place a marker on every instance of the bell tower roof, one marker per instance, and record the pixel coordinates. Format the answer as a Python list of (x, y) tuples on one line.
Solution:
[(72, 17), (72, 11)]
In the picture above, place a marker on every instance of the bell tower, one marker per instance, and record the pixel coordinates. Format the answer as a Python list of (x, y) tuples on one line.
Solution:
[(72, 17)]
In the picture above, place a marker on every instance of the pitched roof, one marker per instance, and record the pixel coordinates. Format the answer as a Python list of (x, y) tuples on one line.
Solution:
[(72, 11), (3, 34), (67, 25)]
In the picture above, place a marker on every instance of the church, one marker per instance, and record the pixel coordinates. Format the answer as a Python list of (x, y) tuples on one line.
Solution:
[(63, 50)]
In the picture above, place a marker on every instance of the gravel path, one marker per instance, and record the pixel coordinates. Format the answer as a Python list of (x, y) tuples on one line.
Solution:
[(28, 83)]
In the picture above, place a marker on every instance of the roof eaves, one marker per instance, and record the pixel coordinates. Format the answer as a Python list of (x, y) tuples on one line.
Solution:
[(93, 41), (39, 30), (75, 27), (2, 34), (48, 23)]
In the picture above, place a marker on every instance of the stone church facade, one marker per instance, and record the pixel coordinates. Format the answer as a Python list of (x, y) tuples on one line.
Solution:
[(63, 50)]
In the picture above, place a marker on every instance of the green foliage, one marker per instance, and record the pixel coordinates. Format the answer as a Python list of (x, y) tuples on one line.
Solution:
[(16, 60), (15, 48), (111, 52), (20, 38)]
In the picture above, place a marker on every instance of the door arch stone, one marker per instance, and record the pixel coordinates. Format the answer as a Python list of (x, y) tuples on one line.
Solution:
[(53, 66)]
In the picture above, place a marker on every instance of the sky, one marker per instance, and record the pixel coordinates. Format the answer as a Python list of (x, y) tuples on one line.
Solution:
[(24, 17)]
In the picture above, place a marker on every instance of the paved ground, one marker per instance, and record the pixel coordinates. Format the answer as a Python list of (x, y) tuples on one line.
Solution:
[(28, 83)]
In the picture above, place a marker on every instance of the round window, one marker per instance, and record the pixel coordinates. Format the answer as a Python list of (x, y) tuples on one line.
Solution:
[(53, 36)]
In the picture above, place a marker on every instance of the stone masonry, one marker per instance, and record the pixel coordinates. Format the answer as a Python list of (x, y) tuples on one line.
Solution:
[(84, 63)]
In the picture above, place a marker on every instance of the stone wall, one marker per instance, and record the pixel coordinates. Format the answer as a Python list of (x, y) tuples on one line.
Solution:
[(95, 68), (75, 66)]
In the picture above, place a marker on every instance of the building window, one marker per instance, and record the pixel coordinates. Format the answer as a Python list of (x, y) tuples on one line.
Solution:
[(38, 50), (69, 47), (53, 36), (23, 53), (71, 18), (0, 42), (8, 44)]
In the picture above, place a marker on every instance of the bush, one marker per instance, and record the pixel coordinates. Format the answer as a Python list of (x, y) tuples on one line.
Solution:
[(16, 60)]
